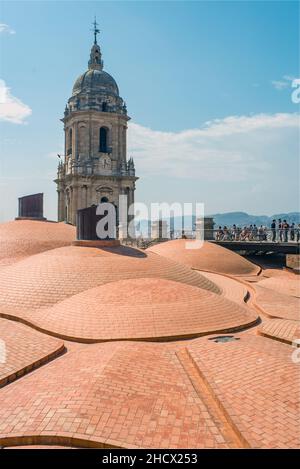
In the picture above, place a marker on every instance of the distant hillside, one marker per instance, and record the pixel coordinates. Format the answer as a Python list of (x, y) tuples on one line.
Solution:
[(228, 219), (243, 219)]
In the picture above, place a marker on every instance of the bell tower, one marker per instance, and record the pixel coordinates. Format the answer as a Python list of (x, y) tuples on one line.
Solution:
[(94, 167)]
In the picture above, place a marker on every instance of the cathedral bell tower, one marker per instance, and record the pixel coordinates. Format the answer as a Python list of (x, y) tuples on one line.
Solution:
[(94, 168)]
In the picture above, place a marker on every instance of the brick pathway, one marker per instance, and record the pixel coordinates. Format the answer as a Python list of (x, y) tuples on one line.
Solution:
[(25, 349), (138, 309), (257, 384), (210, 257)]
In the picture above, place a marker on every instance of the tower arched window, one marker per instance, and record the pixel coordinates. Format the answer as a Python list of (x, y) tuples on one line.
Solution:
[(69, 147), (103, 140)]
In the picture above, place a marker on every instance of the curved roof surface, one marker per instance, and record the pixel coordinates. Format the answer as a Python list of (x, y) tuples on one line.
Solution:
[(285, 330), (277, 304), (209, 257), (50, 277), (144, 308), (23, 238), (114, 394), (95, 81), (25, 349), (287, 285)]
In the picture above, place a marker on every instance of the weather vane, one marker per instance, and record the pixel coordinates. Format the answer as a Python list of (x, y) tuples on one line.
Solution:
[(95, 30)]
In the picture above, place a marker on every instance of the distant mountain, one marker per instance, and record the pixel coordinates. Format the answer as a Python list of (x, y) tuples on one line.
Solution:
[(243, 219), (239, 218)]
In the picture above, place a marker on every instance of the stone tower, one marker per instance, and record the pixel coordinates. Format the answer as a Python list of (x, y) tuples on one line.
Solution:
[(95, 167)]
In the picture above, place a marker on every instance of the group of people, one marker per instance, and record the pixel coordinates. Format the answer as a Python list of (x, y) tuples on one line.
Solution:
[(280, 231)]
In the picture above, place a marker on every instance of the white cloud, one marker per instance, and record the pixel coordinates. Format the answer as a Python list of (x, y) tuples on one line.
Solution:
[(229, 149), (285, 82), (5, 29), (11, 108)]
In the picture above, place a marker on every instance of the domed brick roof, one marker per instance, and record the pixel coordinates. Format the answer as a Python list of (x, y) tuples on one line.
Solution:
[(143, 308), (209, 257), (50, 277), (23, 238)]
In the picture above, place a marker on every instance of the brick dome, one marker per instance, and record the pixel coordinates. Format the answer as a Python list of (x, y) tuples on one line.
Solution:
[(23, 238), (50, 277), (144, 308), (209, 257)]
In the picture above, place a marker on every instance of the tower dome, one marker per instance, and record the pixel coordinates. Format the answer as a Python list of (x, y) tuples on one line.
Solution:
[(95, 165), (95, 88), (95, 81)]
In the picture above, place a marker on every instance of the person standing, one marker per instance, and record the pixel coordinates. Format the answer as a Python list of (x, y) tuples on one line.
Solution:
[(280, 230), (292, 232), (298, 233), (255, 231), (273, 229), (285, 230)]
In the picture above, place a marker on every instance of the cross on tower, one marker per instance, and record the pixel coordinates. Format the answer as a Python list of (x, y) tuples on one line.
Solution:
[(95, 30)]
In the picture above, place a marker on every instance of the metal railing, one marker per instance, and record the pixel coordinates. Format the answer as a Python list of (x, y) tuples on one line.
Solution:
[(266, 235)]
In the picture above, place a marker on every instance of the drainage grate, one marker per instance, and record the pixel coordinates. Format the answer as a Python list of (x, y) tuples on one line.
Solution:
[(224, 338)]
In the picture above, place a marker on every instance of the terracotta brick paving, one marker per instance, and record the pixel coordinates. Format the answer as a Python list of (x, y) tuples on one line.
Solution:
[(52, 276), (210, 257), (22, 238), (193, 393), (231, 288), (116, 394), (281, 329), (278, 273), (286, 285), (257, 383), (138, 309), (39, 447), (277, 304), (25, 349)]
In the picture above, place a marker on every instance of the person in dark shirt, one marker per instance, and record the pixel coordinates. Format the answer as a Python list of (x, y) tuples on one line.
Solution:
[(285, 227), (273, 229), (280, 230), (292, 232)]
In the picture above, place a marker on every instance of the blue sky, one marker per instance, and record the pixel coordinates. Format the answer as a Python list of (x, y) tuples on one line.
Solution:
[(207, 84)]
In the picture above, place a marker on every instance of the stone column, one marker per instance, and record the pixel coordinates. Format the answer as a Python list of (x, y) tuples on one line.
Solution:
[(75, 133), (75, 204)]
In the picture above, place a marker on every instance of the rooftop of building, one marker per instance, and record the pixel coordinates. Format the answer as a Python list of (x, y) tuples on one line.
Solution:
[(196, 346)]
